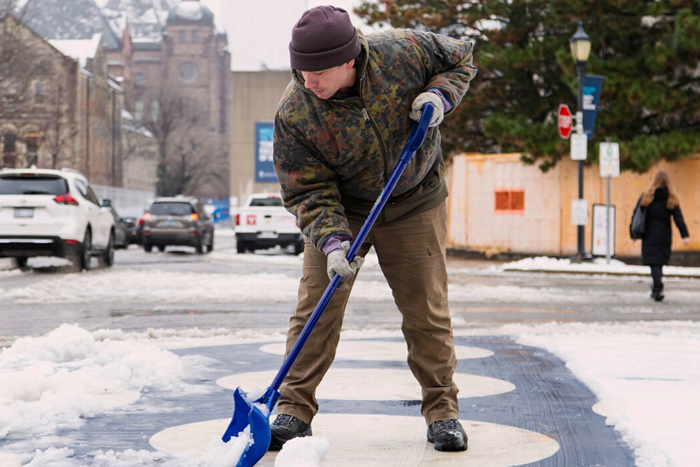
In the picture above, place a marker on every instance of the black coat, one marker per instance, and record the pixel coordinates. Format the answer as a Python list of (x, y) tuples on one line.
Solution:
[(656, 243)]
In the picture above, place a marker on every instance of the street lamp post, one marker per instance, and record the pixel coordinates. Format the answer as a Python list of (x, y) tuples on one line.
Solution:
[(580, 45)]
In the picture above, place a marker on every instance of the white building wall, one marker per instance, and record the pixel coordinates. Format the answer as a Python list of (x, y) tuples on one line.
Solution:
[(457, 202), (536, 229)]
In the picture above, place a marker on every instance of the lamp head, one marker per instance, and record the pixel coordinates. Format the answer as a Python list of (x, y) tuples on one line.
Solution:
[(580, 44)]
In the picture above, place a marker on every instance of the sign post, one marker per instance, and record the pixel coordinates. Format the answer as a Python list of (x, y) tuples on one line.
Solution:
[(592, 87), (609, 167), (565, 121), (603, 241), (579, 212)]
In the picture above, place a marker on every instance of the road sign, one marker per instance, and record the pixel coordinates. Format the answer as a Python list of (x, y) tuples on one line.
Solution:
[(609, 160), (592, 87), (579, 211), (565, 121), (579, 147), (601, 231)]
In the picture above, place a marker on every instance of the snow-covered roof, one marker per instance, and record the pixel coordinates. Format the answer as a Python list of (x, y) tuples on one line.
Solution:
[(129, 123), (68, 20), (79, 49), (146, 18), (191, 12)]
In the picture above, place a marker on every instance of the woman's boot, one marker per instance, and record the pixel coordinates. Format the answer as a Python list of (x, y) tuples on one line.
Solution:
[(657, 293)]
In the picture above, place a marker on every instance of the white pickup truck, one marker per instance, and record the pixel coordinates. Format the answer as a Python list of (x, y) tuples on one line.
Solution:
[(262, 222)]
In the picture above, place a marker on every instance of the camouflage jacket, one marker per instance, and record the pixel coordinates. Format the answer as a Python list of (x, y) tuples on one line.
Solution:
[(334, 156)]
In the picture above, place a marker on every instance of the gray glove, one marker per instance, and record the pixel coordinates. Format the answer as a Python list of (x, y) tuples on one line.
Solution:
[(337, 262), (424, 98)]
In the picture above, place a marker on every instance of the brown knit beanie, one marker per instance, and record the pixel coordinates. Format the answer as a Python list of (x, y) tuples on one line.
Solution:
[(323, 38)]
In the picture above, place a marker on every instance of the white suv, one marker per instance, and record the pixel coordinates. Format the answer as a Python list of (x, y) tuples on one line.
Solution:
[(53, 213)]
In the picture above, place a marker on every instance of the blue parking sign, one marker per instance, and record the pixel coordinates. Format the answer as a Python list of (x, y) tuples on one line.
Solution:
[(264, 166), (592, 87)]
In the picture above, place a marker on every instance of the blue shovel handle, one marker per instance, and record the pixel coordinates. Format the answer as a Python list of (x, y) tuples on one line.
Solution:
[(415, 139)]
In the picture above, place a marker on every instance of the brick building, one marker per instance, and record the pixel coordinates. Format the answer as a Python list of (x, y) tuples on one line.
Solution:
[(189, 56), (66, 109)]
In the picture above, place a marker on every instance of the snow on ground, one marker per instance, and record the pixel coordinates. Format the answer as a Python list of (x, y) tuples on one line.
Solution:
[(598, 266), (646, 376), (152, 287), (55, 381)]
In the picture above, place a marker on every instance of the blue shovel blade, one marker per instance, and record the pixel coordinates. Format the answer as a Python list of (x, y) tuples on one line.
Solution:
[(246, 413)]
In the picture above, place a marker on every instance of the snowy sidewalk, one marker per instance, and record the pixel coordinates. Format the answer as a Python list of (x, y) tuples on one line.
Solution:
[(530, 394), (598, 266)]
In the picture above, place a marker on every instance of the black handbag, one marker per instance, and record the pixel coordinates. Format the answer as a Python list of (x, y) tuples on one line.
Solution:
[(639, 219)]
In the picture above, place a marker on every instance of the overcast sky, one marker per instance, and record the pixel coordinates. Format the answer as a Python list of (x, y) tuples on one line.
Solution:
[(259, 30)]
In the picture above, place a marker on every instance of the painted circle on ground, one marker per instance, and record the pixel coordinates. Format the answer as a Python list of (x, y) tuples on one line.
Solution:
[(380, 351), (371, 384), (602, 409), (381, 440)]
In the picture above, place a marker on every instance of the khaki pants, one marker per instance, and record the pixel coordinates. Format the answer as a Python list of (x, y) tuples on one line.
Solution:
[(411, 255)]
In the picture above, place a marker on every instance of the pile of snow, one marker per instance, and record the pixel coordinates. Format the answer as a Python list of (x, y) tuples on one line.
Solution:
[(303, 452), (217, 454), (56, 381), (597, 266)]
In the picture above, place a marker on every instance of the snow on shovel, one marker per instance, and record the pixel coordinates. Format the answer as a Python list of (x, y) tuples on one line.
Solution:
[(256, 414)]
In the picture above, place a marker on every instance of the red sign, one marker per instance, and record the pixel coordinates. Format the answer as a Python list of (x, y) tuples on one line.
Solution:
[(565, 121)]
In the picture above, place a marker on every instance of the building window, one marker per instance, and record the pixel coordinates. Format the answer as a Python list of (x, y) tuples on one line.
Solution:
[(138, 110), (195, 36), (188, 72), (510, 201), (139, 79), (155, 110), (39, 93), (9, 149), (32, 156), (183, 36)]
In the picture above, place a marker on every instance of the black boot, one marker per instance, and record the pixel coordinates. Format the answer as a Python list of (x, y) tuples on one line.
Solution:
[(657, 293), (448, 435), (286, 427)]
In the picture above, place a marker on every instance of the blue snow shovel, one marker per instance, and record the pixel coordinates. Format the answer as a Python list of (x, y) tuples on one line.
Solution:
[(256, 413)]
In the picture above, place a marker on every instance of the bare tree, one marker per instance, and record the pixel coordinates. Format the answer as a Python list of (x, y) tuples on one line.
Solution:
[(189, 157), (20, 63), (57, 128), (32, 92)]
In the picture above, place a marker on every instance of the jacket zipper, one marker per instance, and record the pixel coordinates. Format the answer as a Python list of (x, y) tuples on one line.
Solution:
[(375, 128)]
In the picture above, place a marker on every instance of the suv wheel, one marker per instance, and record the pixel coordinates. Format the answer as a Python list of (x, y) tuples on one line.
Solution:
[(299, 247), (147, 247), (21, 262), (83, 255), (210, 246), (107, 259), (161, 248), (240, 247), (198, 248)]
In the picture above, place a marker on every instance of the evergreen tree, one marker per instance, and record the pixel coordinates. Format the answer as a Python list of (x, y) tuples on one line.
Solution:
[(647, 50)]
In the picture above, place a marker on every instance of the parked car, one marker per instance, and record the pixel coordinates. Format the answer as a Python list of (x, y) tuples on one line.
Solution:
[(53, 213), (134, 230), (263, 222), (119, 229), (178, 221)]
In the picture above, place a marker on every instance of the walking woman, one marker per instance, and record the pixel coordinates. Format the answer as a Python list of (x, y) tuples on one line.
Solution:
[(661, 202)]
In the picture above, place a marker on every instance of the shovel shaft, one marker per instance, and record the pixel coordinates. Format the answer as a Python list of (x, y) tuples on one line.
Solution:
[(415, 139)]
